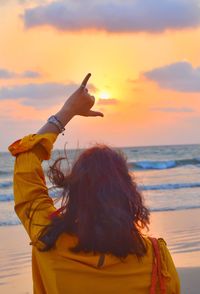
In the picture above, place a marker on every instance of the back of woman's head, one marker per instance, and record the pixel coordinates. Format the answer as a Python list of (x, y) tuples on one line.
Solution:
[(101, 204)]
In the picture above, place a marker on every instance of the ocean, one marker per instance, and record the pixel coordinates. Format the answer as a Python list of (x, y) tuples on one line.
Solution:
[(168, 177)]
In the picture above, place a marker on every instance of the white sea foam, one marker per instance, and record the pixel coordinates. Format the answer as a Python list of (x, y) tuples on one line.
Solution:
[(155, 164), (163, 164)]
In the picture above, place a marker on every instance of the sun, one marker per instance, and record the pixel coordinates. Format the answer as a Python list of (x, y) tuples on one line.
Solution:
[(104, 95)]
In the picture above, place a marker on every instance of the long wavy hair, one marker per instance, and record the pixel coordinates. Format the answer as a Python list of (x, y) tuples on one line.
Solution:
[(101, 205)]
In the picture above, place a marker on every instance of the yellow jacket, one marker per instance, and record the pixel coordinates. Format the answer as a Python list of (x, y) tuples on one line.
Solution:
[(60, 271)]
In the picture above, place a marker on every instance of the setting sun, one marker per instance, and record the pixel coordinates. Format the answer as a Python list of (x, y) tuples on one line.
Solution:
[(104, 95)]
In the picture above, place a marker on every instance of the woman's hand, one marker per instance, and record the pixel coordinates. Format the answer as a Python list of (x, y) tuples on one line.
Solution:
[(81, 102)]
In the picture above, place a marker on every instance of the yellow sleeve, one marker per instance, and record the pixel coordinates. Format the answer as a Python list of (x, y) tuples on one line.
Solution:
[(32, 202), (168, 269)]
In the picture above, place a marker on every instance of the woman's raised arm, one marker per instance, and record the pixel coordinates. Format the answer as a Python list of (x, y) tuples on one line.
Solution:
[(32, 202)]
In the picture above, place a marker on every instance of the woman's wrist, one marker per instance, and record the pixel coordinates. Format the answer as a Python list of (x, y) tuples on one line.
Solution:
[(64, 115)]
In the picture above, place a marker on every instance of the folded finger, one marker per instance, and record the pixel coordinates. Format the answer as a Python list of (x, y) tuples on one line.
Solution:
[(92, 98)]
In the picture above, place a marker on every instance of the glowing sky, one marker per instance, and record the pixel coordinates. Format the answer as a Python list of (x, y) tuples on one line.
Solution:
[(144, 56)]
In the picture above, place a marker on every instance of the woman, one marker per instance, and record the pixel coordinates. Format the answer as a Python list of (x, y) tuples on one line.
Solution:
[(93, 243)]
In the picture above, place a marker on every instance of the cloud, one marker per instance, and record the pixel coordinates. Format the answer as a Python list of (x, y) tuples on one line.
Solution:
[(30, 74), (38, 95), (172, 109), (22, 2), (7, 74), (109, 101), (180, 76), (32, 1), (115, 16)]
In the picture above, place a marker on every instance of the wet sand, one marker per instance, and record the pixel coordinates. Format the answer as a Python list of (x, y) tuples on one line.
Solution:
[(180, 229)]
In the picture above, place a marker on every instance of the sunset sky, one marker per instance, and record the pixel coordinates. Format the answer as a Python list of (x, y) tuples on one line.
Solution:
[(144, 56)]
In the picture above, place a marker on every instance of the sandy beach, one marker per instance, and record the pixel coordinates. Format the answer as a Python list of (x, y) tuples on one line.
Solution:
[(181, 231), (174, 227)]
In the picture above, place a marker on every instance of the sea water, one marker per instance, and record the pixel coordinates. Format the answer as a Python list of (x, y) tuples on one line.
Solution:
[(167, 176)]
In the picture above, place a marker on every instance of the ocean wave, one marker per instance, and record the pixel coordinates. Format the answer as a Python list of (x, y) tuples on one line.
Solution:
[(173, 186), (169, 186), (10, 197), (159, 209), (146, 164), (6, 197), (6, 172), (6, 184), (10, 222)]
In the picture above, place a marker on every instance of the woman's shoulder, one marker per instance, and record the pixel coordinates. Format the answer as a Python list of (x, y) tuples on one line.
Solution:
[(149, 241), (166, 260), (153, 244)]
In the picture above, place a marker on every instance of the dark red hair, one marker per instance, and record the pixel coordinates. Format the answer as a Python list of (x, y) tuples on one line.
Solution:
[(101, 205)]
